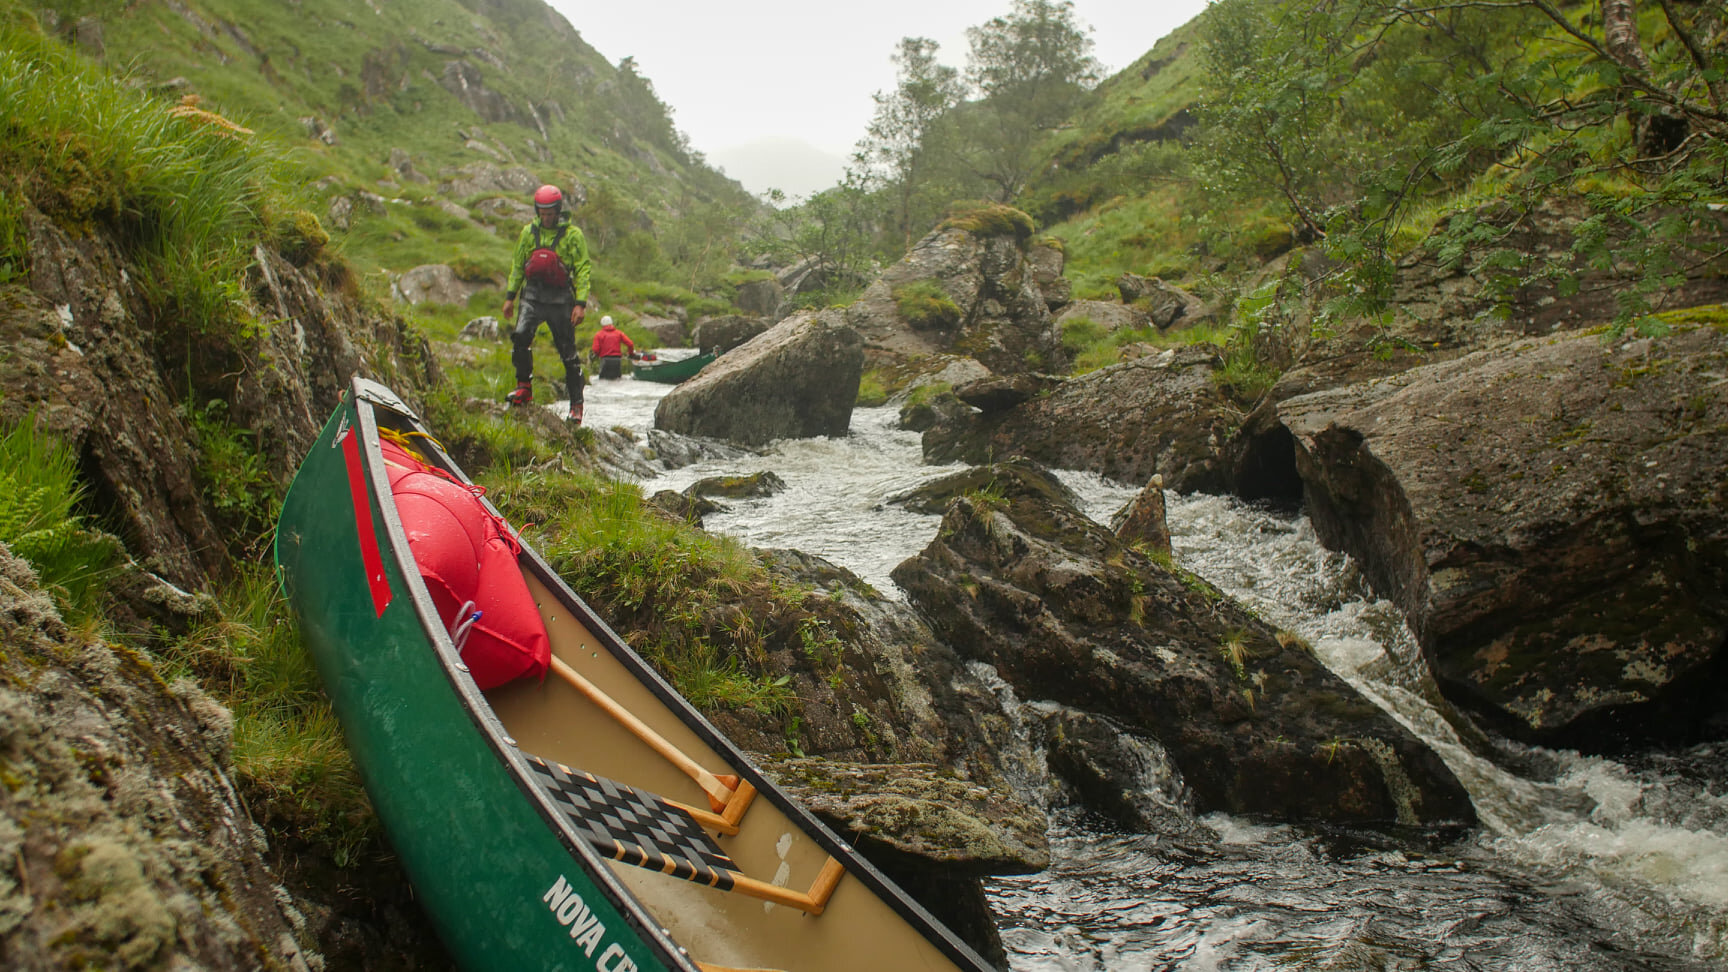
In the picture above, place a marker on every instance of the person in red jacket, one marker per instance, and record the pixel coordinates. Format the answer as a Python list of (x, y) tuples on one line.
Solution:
[(609, 343)]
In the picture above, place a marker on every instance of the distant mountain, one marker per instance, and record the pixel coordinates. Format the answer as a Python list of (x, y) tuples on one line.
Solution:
[(791, 165)]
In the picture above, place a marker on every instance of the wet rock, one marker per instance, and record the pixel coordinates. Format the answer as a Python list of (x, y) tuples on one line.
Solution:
[(1256, 724), (797, 380), (1162, 414), (753, 486), (1550, 515), (403, 165), (86, 354), (683, 506), (1143, 521), (668, 332), (103, 818), (481, 178), (1129, 779), (919, 812), (466, 82), (998, 394), (341, 212), (1047, 263), (934, 835), (1163, 304), (1016, 475)]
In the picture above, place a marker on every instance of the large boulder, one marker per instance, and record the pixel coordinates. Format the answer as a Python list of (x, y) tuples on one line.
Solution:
[(1553, 517), (797, 380), (1160, 414), (718, 335), (760, 297), (964, 289), (670, 333), (434, 283), (1068, 614)]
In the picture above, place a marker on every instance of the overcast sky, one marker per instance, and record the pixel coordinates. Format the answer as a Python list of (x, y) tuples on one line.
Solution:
[(777, 92)]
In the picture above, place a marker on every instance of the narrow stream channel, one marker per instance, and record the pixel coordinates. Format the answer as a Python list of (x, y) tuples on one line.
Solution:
[(1583, 863)]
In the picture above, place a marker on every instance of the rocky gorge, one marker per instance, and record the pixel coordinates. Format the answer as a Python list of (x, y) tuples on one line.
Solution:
[(1547, 510)]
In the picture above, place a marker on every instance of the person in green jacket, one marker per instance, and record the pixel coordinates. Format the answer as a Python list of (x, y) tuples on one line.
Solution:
[(550, 272)]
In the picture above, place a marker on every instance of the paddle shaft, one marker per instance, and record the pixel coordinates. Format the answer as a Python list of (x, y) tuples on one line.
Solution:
[(709, 783)]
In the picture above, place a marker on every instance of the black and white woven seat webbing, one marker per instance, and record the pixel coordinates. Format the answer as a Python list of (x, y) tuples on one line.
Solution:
[(634, 826)]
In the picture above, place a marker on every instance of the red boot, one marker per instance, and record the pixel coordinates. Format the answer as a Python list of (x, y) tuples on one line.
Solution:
[(523, 395), (575, 416)]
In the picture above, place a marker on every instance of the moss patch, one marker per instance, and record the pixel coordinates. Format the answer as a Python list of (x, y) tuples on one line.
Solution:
[(990, 219)]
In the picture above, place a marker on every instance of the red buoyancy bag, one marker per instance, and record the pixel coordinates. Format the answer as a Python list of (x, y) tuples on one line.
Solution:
[(465, 554)]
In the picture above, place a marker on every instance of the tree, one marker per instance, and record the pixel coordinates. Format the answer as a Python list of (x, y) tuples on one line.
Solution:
[(830, 234), (903, 136), (1349, 112), (1031, 68)]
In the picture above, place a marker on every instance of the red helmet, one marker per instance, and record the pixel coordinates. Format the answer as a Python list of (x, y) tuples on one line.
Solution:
[(548, 197)]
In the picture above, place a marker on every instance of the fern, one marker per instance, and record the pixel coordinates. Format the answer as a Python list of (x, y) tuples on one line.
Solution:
[(39, 494)]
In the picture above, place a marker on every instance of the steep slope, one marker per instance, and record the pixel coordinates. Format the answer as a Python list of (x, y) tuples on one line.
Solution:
[(418, 113)]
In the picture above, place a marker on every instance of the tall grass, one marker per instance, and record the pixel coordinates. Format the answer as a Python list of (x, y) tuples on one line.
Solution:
[(39, 496), (695, 605), (188, 197)]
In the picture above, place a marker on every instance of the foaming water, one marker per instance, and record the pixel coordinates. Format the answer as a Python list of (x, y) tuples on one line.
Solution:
[(1596, 864), (835, 501)]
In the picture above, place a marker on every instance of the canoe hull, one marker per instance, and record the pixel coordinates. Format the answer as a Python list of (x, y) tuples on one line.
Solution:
[(505, 888), (672, 372)]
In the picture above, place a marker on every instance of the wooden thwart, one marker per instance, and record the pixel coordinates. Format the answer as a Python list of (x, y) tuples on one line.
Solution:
[(814, 901), (728, 796)]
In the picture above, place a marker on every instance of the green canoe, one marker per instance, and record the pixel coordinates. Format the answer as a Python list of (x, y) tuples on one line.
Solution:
[(671, 372), (590, 820)]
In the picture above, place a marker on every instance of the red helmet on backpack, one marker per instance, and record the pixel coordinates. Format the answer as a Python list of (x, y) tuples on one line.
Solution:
[(548, 197)]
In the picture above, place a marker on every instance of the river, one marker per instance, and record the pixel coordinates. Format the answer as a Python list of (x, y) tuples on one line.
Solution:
[(1580, 863)]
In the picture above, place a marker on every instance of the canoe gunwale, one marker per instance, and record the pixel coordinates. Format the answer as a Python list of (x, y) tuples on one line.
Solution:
[(367, 397)]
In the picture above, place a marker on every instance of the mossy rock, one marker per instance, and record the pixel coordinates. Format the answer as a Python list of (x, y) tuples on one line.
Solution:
[(990, 219), (300, 237), (924, 306)]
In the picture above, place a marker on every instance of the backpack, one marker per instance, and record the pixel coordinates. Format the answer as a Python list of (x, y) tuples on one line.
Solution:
[(544, 266)]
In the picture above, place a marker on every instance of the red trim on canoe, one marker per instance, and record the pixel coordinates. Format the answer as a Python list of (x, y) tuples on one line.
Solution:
[(369, 555)]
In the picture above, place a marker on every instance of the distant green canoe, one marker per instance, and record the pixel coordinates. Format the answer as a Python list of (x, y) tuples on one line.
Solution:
[(671, 372), (592, 820)]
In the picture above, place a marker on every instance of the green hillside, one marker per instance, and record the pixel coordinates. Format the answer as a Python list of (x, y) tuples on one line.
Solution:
[(399, 107), (1361, 130)]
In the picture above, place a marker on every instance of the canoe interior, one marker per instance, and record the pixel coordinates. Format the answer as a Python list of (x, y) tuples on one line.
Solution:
[(856, 931)]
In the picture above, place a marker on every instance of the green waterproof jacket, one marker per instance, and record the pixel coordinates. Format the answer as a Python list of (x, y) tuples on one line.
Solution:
[(572, 249)]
